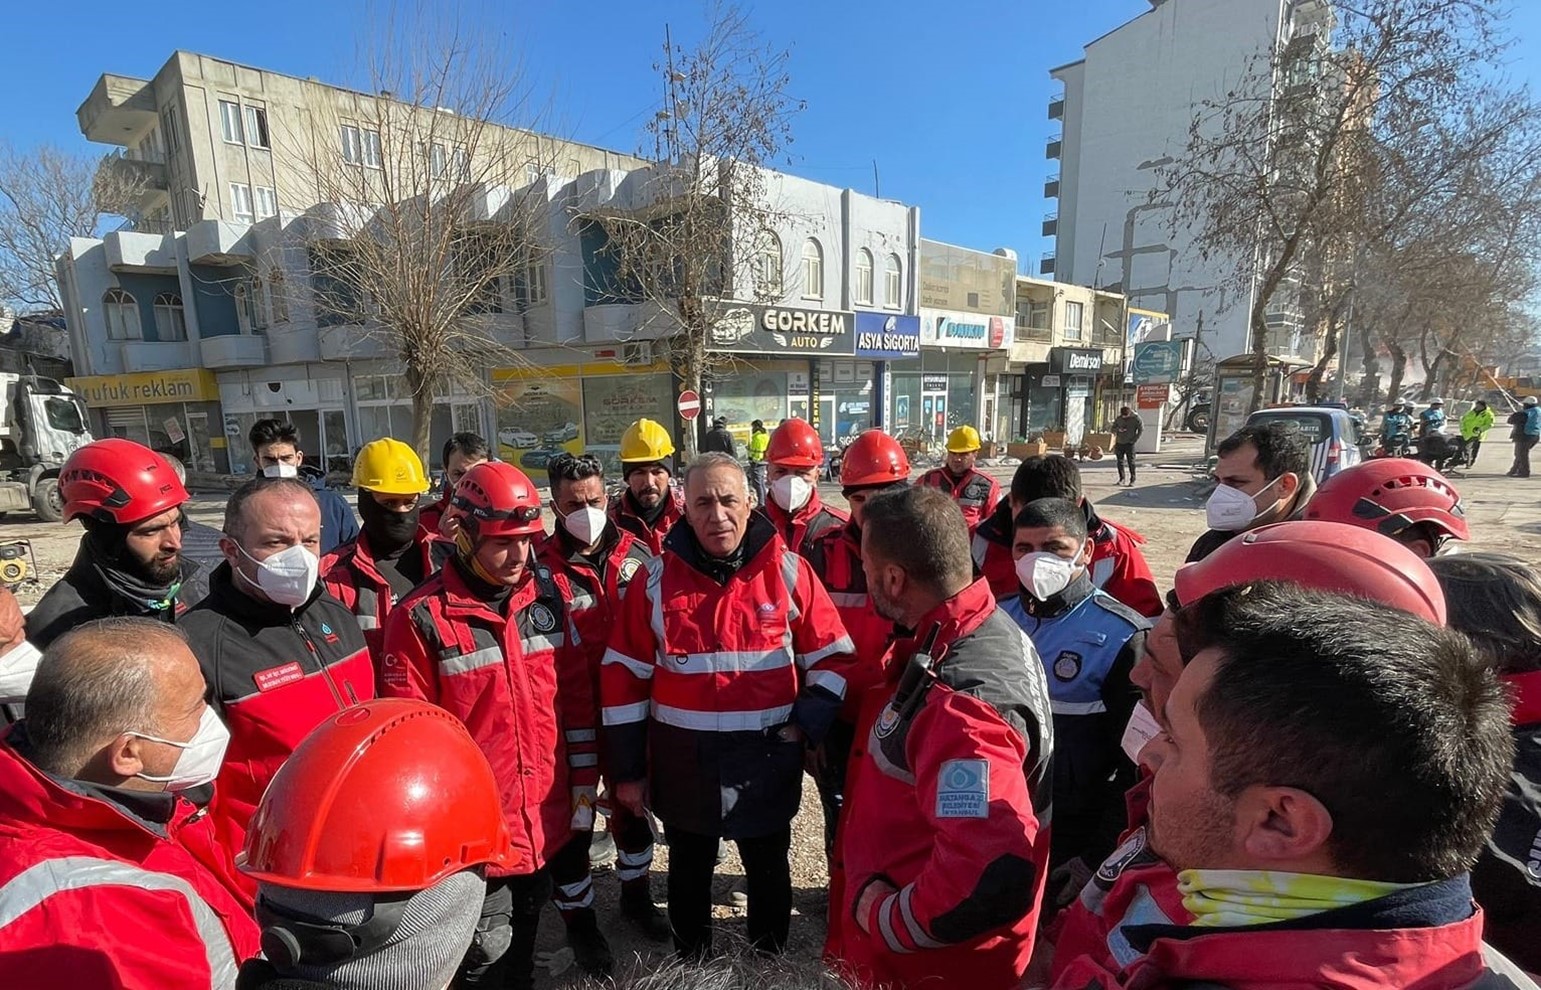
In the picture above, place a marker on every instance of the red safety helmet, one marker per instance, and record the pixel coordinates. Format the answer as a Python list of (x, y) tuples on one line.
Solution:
[(118, 481), (795, 444), (389, 795), (1327, 556), (1388, 495), (874, 458), (496, 499)]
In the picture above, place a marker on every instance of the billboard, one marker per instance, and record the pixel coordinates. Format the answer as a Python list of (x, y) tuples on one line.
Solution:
[(954, 328), (963, 279), (887, 336)]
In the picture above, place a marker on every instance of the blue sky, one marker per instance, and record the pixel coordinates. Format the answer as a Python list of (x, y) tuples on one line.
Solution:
[(948, 97)]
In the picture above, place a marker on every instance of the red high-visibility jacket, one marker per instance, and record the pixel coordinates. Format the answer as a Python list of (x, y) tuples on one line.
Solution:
[(93, 895), (836, 559), (623, 513), (596, 594), (800, 530), (352, 577), (505, 671), (707, 663), (946, 797), (976, 492)]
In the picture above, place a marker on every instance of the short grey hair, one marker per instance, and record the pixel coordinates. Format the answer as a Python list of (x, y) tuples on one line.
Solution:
[(715, 459), (92, 684), (235, 509)]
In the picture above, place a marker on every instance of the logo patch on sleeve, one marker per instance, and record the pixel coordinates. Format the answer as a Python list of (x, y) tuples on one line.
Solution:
[(277, 677), (963, 789)]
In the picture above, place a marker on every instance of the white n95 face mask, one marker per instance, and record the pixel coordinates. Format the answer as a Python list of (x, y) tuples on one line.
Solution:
[(281, 471), (289, 576), (1142, 728), (201, 756), (1045, 575), (17, 666), (791, 492), (1231, 509), (585, 524)]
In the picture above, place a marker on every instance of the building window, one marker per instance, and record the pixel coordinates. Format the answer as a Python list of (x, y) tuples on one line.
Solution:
[(767, 274), (170, 320), (352, 148), (267, 203), (278, 299), (249, 314), (256, 127), (459, 165), (169, 125), (371, 148), (435, 155), (1074, 314), (122, 315), (240, 203), (864, 277), (535, 289), (813, 270), (230, 122), (531, 173), (893, 283)]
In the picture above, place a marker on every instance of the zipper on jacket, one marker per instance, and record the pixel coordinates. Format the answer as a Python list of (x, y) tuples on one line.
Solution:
[(326, 675)]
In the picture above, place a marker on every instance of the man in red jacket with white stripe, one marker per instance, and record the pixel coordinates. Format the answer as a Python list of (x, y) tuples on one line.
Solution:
[(943, 841), (487, 638), (726, 662), (110, 872), (796, 455)]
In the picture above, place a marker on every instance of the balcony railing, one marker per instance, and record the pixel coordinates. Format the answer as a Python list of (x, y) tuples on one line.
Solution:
[(1057, 107), (1051, 187), (1029, 334), (1050, 224), (1055, 148), (1046, 264)]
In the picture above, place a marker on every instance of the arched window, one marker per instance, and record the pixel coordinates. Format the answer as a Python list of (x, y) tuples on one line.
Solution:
[(170, 320), (864, 277), (813, 270), (122, 315), (893, 283), (767, 273)]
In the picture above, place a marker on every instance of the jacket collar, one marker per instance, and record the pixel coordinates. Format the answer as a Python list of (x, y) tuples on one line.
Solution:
[(1079, 589), (682, 541), (997, 528), (227, 599), (783, 519), (98, 580), (956, 617), (462, 598), (1527, 697)]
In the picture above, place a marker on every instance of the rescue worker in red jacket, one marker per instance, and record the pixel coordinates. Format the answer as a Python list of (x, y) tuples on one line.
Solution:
[(598, 560), (462, 452), (368, 851), (110, 874), (1496, 600), (487, 638), (279, 653), (1398, 497), (392, 553), (1324, 556), (943, 841), (873, 463), (1118, 567), (1300, 719), (651, 504), (130, 561), (976, 493), (727, 659), (796, 456)]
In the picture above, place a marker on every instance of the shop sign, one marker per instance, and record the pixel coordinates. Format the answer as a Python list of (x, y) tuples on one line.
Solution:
[(1079, 388), (1152, 396), (953, 328), (933, 383), (783, 330), (797, 384), (1158, 362), (887, 336), (1049, 381), (148, 388), (1075, 360)]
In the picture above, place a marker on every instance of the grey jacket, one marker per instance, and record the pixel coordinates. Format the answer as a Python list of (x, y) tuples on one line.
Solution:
[(1127, 429)]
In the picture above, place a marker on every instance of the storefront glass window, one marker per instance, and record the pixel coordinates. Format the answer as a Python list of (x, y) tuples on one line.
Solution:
[(751, 395), (611, 403)]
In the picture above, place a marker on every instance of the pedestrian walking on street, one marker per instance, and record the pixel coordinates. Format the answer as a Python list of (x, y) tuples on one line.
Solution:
[(1127, 429), (718, 438), (1527, 430), (759, 442)]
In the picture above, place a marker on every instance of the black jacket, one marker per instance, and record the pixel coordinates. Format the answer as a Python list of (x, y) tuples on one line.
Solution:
[(718, 439), (85, 593), (338, 523), (1507, 879)]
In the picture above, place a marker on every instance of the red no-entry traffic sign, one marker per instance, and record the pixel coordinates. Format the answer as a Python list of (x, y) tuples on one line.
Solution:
[(689, 405)]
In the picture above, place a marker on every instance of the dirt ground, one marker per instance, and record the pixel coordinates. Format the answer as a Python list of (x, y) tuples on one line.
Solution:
[(1166, 508)]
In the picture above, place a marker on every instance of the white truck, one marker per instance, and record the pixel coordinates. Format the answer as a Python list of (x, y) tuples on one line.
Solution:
[(42, 424)]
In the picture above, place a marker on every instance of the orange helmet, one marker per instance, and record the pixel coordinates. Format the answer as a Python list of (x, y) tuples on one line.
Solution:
[(496, 499), (389, 795), (118, 481), (795, 444), (874, 458), (1327, 556), (1389, 494)]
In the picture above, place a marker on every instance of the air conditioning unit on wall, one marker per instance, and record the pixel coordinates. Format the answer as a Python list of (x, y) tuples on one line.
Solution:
[(637, 354)]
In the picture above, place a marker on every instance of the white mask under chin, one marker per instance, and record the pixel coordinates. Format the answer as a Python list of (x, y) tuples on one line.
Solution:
[(791, 492), (585, 524), (1045, 575)]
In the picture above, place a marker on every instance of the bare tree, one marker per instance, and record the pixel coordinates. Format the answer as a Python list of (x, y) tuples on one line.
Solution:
[(1338, 138), (693, 236), (428, 239), (47, 196)]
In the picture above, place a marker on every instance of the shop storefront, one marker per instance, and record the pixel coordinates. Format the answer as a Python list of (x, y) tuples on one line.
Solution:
[(886, 339), (1073, 372), (782, 362), (314, 399), (943, 388), (168, 411)]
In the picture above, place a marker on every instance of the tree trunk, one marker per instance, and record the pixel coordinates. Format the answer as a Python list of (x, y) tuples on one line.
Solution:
[(1398, 370), (1314, 393), (1259, 353), (687, 357), (422, 410), (1370, 387)]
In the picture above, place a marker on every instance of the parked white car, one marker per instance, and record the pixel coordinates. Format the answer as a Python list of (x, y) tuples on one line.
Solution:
[(520, 439)]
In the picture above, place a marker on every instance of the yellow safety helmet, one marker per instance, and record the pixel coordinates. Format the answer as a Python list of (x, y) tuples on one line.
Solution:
[(389, 467), (645, 441), (962, 440)]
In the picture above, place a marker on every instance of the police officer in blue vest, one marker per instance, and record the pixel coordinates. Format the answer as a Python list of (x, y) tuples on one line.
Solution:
[(1089, 642)]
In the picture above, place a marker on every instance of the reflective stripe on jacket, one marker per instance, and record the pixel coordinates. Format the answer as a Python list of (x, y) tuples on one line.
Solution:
[(506, 671), (700, 675), (976, 493), (351, 576)]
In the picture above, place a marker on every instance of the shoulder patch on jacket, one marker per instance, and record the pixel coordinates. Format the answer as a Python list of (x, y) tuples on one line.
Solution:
[(1108, 603), (963, 789)]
